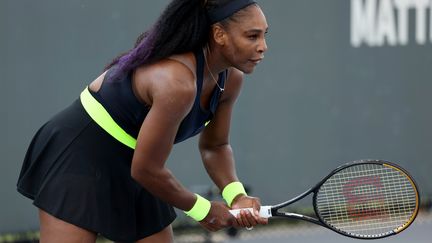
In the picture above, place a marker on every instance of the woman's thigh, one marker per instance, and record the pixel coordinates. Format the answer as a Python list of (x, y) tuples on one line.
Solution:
[(54, 230), (164, 236)]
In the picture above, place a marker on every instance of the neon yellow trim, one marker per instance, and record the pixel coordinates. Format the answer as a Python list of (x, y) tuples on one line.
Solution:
[(98, 113), (232, 190), (200, 209), (207, 122), (399, 229)]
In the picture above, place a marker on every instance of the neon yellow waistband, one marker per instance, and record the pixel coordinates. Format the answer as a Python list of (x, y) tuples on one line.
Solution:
[(98, 113)]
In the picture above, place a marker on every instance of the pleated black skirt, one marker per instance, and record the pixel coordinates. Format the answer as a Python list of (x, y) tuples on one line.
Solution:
[(77, 172)]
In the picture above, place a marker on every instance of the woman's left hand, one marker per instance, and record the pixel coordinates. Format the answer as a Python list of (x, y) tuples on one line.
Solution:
[(245, 218)]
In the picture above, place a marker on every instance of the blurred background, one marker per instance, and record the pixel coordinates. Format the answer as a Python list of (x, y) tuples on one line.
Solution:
[(342, 80)]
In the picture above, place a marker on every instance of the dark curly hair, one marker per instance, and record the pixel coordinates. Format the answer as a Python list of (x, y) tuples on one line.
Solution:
[(182, 27)]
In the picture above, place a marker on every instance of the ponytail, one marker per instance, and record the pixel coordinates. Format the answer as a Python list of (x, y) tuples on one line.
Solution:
[(182, 27)]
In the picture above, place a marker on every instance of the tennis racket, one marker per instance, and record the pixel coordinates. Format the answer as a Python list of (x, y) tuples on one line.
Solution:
[(366, 199)]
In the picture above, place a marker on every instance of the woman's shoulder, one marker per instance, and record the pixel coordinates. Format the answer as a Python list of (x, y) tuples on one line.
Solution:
[(176, 67), (233, 84), (171, 76), (187, 60)]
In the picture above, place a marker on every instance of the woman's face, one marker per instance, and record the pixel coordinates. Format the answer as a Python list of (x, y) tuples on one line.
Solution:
[(246, 44)]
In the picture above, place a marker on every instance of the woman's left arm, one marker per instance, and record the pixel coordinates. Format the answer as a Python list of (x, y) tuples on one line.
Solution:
[(216, 151), (217, 154)]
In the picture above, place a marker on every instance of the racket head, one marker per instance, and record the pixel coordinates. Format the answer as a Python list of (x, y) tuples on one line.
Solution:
[(367, 199)]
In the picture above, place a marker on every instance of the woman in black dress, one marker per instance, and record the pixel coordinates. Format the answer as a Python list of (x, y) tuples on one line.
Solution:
[(98, 167)]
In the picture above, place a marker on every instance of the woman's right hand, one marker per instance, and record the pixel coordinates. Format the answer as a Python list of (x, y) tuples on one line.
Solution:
[(218, 218)]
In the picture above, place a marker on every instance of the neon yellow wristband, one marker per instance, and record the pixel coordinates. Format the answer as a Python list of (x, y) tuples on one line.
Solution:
[(232, 190), (200, 209)]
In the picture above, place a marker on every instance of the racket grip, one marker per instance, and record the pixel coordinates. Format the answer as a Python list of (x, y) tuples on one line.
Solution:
[(265, 211)]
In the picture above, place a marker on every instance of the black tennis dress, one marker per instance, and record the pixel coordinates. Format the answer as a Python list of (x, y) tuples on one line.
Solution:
[(77, 172)]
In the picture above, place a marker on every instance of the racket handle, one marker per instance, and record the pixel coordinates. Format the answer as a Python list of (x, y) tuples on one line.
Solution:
[(265, 211)]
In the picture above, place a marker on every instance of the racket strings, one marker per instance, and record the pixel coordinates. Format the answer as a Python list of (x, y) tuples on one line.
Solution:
[(367, 200)]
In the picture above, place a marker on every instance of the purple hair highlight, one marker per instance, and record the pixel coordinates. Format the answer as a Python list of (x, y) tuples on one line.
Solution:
[(139, 55)]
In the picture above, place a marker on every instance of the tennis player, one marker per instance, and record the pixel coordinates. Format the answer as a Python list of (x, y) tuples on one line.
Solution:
[(98, 166)]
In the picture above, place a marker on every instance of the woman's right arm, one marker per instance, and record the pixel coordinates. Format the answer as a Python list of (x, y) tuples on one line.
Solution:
[(171, 101)]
